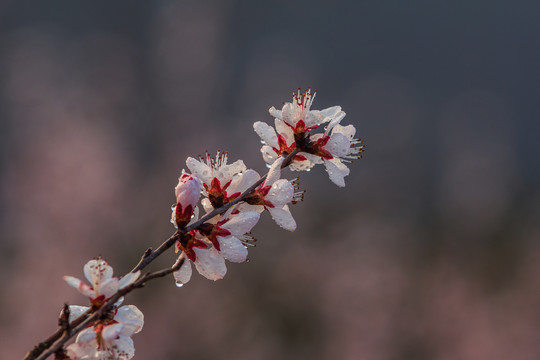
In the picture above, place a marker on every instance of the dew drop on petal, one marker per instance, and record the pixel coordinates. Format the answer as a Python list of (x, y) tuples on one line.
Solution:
[(179, 284)]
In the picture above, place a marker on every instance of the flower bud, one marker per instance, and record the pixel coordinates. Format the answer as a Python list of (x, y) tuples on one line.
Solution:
[(188, 193)]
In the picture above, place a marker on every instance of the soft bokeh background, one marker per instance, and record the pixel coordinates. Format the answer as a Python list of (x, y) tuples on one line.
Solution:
[(432, 251)]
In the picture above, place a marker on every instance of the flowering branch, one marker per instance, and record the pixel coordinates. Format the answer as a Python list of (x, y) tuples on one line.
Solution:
[(84, 320), (88, 318), (233, 198)]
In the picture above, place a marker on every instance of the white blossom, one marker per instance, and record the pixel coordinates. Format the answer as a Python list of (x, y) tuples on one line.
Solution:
[(294, 125), (336, 149), (108, 339), (214, 242), (110, 336), (102, 284), (274, 195)]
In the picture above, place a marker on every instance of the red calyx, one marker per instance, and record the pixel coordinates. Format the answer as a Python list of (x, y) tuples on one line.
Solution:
[(316, 148), (213, 231), (187, 243), (183, 216), (218, 195)]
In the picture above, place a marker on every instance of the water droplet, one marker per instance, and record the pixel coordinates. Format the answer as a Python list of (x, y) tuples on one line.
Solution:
[(179, 284)]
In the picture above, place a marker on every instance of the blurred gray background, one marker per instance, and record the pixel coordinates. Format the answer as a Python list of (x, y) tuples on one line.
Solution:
[(432, 250)]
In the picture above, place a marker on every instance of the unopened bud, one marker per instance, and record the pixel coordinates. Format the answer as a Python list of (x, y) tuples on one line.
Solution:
[(188, 193)]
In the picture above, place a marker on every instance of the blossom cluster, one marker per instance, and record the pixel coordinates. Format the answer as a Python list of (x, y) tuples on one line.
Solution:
[(294, 129), (110, 336), (224, 236), (217, 205)]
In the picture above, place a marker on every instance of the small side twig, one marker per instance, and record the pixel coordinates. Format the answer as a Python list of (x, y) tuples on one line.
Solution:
[(63, 320)]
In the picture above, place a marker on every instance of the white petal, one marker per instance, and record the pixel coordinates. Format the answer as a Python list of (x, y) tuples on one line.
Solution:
[(266, 133), (188, 190), (338, 145), (112, 332), (123, 348), (275, 172), (242, 207), (108, 287), (301, 165), (285, 131), (336, 171), (207, 205), (80, 286), (183, 275), (305, 165), (76, 351), (82, 350), (242, 223), (269, 155), (274, 112), (200, 169), (86, 335), (210, 263), (330, 112), (290, 113), (232, 249), (128, 279), (313, 118), (335, 121), (173, 216), (97, 271), (195, 216), (119, 302), (348, 131), (312, 158), (132, 319), (283, 217), (75, 311), (281, 193), (243, 181), (225, 173)]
